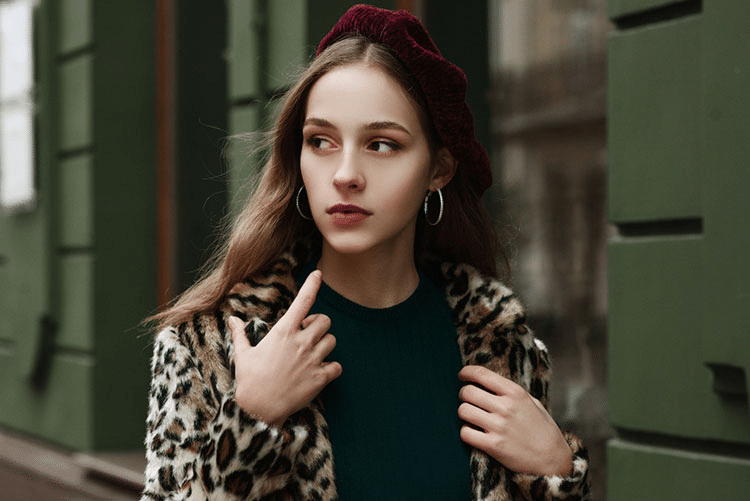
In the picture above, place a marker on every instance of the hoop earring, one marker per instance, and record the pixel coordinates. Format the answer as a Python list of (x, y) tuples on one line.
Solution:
[(426, 209), (299, 209)]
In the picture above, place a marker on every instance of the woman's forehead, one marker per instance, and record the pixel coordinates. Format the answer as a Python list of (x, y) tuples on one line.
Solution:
[(361, 93)]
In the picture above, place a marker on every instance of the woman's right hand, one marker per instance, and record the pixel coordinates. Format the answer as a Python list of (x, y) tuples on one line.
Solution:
[(286, 370)]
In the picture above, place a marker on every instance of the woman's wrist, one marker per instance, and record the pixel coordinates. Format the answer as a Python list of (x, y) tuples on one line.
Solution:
[(263, 412), (564, 466)]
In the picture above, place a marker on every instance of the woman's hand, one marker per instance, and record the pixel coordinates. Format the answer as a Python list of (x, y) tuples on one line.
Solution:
[(286, 370), (510, 425)]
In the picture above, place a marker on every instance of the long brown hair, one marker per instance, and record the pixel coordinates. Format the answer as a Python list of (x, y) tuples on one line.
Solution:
[(269, 224)]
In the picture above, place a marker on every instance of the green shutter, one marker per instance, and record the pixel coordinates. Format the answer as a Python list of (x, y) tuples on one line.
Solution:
[(679, 278)]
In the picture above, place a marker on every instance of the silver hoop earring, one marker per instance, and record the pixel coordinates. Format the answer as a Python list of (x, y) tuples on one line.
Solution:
[(426, 209), (299, 209)]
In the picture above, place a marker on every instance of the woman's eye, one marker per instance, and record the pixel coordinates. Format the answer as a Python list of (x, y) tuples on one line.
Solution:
[(383, 146), (319, 143)]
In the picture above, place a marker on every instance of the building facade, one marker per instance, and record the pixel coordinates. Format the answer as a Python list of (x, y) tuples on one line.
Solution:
[(617, 134)]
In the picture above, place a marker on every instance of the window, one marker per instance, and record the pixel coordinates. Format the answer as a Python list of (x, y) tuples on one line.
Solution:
[(17, 192)]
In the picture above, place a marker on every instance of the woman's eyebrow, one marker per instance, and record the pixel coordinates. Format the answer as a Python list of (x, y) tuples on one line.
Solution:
[(380, 125), (387, 125), (317, 121)]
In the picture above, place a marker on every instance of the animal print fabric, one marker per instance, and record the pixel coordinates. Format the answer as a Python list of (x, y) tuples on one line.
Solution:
[(202, 446)]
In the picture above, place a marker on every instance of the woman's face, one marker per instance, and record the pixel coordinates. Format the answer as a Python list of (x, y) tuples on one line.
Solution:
[(365, 161)]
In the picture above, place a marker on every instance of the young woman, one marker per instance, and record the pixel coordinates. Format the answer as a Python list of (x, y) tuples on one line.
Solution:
[(367, 225)]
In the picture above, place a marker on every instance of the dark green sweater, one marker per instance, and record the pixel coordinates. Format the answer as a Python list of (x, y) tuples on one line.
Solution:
[(393, 412)]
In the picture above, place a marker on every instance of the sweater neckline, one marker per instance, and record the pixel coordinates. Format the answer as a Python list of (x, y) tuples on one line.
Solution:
[(374, 315)]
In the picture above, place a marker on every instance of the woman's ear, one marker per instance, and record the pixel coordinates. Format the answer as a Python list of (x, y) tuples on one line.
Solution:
[(443, 169)]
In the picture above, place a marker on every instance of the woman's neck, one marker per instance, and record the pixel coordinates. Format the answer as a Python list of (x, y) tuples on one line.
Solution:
[(374, 280)]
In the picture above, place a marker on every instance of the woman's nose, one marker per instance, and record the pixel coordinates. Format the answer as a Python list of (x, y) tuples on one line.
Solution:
[(349, 174)]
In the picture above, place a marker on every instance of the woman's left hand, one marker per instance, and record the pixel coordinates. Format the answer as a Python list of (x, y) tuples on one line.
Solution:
[(510, 425)]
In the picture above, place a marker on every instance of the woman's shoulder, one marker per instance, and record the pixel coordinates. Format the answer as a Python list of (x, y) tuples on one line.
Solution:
[(276, 281), (467, 288), (266, 295), (200, 342), (491, 325), (262, 297)]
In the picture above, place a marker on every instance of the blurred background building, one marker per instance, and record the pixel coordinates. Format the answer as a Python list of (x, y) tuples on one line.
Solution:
[(617, 132), (548, 98)]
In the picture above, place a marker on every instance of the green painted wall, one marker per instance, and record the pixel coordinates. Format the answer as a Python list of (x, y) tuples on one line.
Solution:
[(679, 281), (79, 271)]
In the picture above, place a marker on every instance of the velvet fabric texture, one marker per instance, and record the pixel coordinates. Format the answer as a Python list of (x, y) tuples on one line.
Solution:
[(443, 83)]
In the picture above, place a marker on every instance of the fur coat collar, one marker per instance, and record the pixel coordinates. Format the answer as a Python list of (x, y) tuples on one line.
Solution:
[(201, 445)]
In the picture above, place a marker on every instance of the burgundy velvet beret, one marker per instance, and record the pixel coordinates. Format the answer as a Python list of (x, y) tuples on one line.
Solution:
[(443, 83)]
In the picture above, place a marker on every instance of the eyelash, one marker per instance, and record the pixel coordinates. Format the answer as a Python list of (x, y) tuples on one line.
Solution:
[(314, 141), (393, 146)]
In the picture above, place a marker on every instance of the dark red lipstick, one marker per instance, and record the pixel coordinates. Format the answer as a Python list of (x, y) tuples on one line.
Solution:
[(347, 214), (347, 209)]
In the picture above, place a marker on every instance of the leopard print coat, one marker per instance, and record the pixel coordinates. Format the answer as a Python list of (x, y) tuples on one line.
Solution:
[(202, 446)]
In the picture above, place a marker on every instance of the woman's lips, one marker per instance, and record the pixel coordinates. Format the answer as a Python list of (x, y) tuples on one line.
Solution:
[(347, 214)]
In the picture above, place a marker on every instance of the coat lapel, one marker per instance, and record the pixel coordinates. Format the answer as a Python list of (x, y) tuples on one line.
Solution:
[(490, 329)]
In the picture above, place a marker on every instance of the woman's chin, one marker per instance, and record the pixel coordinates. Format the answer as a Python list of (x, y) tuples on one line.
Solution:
[(347, 246)]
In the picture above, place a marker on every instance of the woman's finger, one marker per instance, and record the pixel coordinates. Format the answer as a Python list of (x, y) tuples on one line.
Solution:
[(331, 370), (324, 347), (493, 381), (473, 437), (477, 417), (316, 327), (309, 319), (237, 329), (301, 305), (479, 397)]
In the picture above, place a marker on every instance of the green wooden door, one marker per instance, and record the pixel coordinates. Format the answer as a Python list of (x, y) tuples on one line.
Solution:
[(39, 383), (77, 274), (679, 280)]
